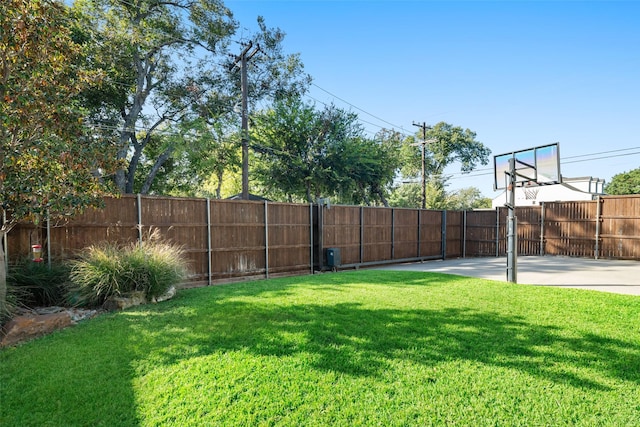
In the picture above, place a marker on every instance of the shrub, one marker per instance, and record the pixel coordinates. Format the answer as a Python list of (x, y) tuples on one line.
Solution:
[(113, 270), (98, 274), (161, 265), (9, 306), (38, 284)]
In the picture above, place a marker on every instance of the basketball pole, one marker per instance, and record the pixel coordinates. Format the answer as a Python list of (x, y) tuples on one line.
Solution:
[(512, 223)]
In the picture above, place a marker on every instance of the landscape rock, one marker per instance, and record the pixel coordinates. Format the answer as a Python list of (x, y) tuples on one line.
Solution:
[(29, 326), (171, 292), (116, 303), (32, 323)]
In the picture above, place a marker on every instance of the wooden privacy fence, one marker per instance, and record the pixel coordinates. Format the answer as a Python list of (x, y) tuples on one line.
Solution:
[(608, 227), (227, 240)]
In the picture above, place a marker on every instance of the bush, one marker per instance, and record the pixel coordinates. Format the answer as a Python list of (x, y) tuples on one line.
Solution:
[(112, 270), (9, 306), (36, 284)]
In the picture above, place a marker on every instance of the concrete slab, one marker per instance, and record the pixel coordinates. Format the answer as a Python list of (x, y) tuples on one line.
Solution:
[(616, 276)]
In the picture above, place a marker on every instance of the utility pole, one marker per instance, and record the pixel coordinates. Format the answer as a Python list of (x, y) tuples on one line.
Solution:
[(242, 60), (424, 128)]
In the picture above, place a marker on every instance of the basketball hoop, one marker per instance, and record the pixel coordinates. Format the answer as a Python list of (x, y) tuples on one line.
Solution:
[(531, 193)]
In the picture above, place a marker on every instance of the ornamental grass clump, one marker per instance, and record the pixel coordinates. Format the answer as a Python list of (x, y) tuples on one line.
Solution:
[(38, 283), (109, 270), (98, 274), (156, 266)]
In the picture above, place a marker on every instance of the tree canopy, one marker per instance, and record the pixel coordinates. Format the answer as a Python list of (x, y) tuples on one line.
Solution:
[(444, 145), (48, 163), (167, 62), (303, 153), (624, 183)]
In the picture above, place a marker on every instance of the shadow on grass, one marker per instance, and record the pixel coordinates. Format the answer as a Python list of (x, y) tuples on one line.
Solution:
[(358, 341)]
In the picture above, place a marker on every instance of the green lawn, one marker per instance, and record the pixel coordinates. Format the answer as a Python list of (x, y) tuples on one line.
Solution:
[(370, 348)]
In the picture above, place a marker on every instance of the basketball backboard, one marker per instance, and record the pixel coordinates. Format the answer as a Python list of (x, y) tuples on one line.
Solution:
[(538, 165)]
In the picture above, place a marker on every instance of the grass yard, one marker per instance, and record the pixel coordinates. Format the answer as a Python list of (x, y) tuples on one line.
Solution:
[(369, 348)]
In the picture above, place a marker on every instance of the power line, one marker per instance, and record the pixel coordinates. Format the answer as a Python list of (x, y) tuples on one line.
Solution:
[(366, 112)]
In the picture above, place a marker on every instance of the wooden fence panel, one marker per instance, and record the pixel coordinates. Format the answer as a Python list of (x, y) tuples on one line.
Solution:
[(237, 238), (529, 228), (430, 233), (182, 222), (405, 233), (570, 228), (620, 227), (341, 228), (116, 223), (454, 234), (481, 233), (377, 227), (289, 235)]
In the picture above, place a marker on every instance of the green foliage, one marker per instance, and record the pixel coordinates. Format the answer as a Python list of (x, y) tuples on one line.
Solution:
[(624, 183), (109, 270), (12, 301), (38, 284), (447, 144), (406, 196), (366, 348), (468, 198), (99, 274), (303, 153), (48, 164), (409, 196), (167, 66)]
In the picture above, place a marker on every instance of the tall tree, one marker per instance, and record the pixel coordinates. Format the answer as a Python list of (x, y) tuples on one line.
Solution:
[(200, 153), (467, 198), (167, 62), (145, 47), (304, 153), (47, 163), (366, 168), (624, 183), (448, 145)]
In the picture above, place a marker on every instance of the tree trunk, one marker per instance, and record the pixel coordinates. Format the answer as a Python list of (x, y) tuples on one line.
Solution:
[(154, 170), (219, 186)]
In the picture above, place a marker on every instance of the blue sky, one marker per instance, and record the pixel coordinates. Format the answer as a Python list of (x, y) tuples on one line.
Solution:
[(518, 73)]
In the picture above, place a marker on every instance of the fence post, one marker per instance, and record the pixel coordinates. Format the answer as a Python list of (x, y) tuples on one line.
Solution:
[(542, 208), (48, 239), (361, 234), (443, 234), (419, 230), (311, 235), (209, 249), (393, 233), (320, 237), (139, 203), (497, 231), (598, 215), (464, 234), (266, 240), (5, 242)]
